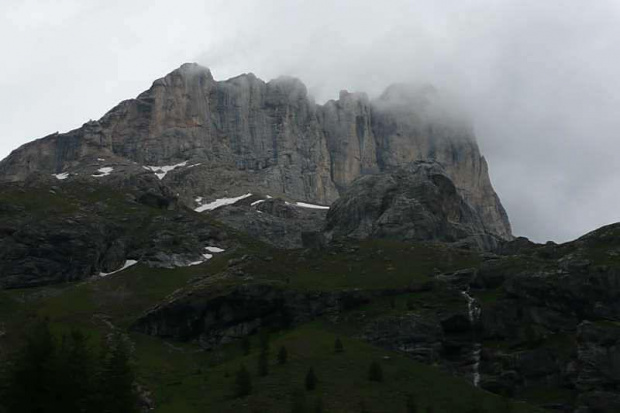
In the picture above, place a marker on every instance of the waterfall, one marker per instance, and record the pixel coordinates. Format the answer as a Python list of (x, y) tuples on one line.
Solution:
[(473, 310)]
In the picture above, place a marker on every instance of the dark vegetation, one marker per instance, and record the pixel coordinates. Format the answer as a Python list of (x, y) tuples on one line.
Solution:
[(69, 374), (268, 372)]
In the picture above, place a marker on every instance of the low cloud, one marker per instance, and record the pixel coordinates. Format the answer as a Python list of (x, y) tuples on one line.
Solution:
[(540, 80)]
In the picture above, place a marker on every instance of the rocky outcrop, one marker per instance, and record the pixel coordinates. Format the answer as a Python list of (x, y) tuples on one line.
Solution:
[(216, 316), (417, 203), (244, 135), (273, 220), (52, 234)]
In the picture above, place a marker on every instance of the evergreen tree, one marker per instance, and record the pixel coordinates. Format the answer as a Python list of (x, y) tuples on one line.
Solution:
[(68, 377), (118, 379), (338, 347), (411, 405), (311, 379), (76, 369), (282, 355), (264, 340), (375, 372), (243, 382), (32, 383), (246, 346), (263, 363)]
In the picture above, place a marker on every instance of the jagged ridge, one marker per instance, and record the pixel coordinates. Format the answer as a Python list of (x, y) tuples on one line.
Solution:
[(247, 134)]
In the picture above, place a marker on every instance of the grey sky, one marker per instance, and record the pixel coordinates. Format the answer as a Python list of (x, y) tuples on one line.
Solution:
[(541, 79)]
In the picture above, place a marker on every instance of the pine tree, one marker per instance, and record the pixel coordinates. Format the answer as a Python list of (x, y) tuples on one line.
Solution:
[(33, 380), (68, 377), (246, 346), (76, 369), (411, 405), (311, 379), (243, 382), (264, 340), (375, 372), (117, 379), (263, 363), (338, 347), (282, 355)]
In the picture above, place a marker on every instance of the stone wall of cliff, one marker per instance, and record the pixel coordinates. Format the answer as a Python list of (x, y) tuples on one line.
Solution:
[(246, 134)]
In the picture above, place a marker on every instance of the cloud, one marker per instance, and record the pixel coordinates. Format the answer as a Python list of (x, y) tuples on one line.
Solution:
[(540, 80)]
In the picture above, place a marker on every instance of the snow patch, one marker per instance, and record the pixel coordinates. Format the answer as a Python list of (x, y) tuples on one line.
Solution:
[(257, 202), (62, 176), (219, 203), (214, 249), (206, 256), (162, 171), (194, 165), (128, 263), (306, 205), (101, 159), (101, 172)]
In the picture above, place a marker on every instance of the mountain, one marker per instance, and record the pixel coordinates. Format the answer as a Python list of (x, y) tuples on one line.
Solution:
[(209, 139), (213, 226)]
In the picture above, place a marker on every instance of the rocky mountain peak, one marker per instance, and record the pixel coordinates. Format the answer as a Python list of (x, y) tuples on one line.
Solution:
[(228, 138)]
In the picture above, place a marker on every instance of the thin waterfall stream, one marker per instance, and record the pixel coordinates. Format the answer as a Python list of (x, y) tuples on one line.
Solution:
[(473, 310)]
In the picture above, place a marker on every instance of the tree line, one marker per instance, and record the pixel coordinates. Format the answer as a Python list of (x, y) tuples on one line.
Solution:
[(69, 374)]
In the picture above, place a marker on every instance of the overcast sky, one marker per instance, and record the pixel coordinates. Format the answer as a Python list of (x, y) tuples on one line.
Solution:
[(541, 79)]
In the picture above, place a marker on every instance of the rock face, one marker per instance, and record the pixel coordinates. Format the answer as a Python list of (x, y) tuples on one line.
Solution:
[(272, 220), (229, 314), (243, 134), (52, 234), (417, 203)]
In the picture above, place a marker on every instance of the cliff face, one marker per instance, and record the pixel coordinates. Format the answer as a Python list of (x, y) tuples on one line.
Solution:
[(243, 134)]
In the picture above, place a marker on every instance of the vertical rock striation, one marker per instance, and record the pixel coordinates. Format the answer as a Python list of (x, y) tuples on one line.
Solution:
[(246, 134)]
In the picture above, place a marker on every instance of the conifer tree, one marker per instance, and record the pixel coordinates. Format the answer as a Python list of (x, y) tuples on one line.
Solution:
[(375, 372), (76, 369), (263, 363), (246, 346), (311, 379), (264, 340), (243, 382), (338, 347), (118, 379), (32, 380), (282, 355)]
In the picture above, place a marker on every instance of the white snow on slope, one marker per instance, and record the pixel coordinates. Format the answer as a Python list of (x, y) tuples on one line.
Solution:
[(207, 257), (161, 171), (101, 172), (306, 205), (260, 201), (214, 249), (128, 263), (62, 176), (220, 202)]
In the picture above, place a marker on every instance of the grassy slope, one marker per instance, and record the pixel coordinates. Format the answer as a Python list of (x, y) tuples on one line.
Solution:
[(185, 379)]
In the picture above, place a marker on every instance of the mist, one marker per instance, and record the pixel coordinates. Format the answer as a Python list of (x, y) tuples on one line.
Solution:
[(539, 81)]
